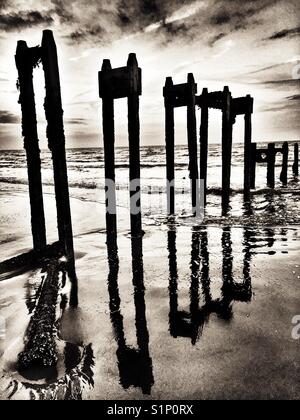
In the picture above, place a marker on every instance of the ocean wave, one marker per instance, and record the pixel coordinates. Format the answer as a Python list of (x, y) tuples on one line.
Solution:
[(293, 188)]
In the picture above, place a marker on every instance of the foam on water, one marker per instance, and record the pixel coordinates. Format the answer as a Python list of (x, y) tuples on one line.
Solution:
[(86, 181)]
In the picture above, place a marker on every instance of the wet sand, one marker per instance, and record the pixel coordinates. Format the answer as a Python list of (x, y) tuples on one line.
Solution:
[(206, 313)]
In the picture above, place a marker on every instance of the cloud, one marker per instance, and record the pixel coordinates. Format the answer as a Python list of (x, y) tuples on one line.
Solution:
[(285, 33), (3, 4), (63, 9), (289, 104), (238, 15), (8, 118), (16, 21), (102, 22), (294, 98), (216, 38), (277, 76), (75, 121), (88, 33), (281, 83), (265, 69), (216, 18)]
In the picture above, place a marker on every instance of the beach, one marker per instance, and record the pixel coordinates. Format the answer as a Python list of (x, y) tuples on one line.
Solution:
[(203, 312)]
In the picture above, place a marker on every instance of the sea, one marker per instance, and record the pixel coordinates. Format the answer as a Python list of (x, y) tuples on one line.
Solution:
[(86, 182)]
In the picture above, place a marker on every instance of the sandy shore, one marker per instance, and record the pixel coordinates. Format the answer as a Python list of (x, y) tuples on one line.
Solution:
[(232, 342)]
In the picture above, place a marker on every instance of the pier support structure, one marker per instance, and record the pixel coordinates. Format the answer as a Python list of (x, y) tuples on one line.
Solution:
[(181, 95), (123, 82), (296, 160), (231, 108), (268, 156), (26, 59)]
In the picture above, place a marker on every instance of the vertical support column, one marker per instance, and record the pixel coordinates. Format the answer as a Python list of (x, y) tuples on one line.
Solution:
[(170, 146), (24, 63), (226, 148), (247, 149), (296, 160), (285, 160), (192, 141), (56, 141), (109, 158), (204, 141), (271, 165), (253, 165), (134, 145)]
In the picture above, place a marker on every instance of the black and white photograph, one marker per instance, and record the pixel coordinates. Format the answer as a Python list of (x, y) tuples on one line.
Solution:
[(149, 202)]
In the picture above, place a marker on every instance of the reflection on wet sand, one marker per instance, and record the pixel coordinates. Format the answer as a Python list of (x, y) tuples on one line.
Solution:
[(269, 240), (135, 365), (73, 370), (190, 324), (268, 209)]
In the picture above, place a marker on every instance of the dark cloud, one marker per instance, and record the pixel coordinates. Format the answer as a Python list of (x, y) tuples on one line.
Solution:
[(285, 33), (283, 85), (81, 35), (150, 7), (63, 10), (3, 4), (223, 17), (265, 69), (75, 121), (277, 76), (238, 15), (294, 98), (8, 118), (290, 103), (141, 13), (88, 21), (285, 82), (15, 21), (175, 29), (217, 20), (216, 38), (107, 20)]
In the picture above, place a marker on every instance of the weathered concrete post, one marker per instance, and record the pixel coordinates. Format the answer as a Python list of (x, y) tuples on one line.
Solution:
[(226, 148), (56, 141), (247, 148), (25, 60), (253, 165), (134, 144), (296, 160), (192, 141), (271, 165), (204, 141), (285, 160), (170, 145), (108, 124)]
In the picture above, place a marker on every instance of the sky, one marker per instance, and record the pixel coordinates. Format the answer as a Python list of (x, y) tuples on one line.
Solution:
[(251, 46)]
